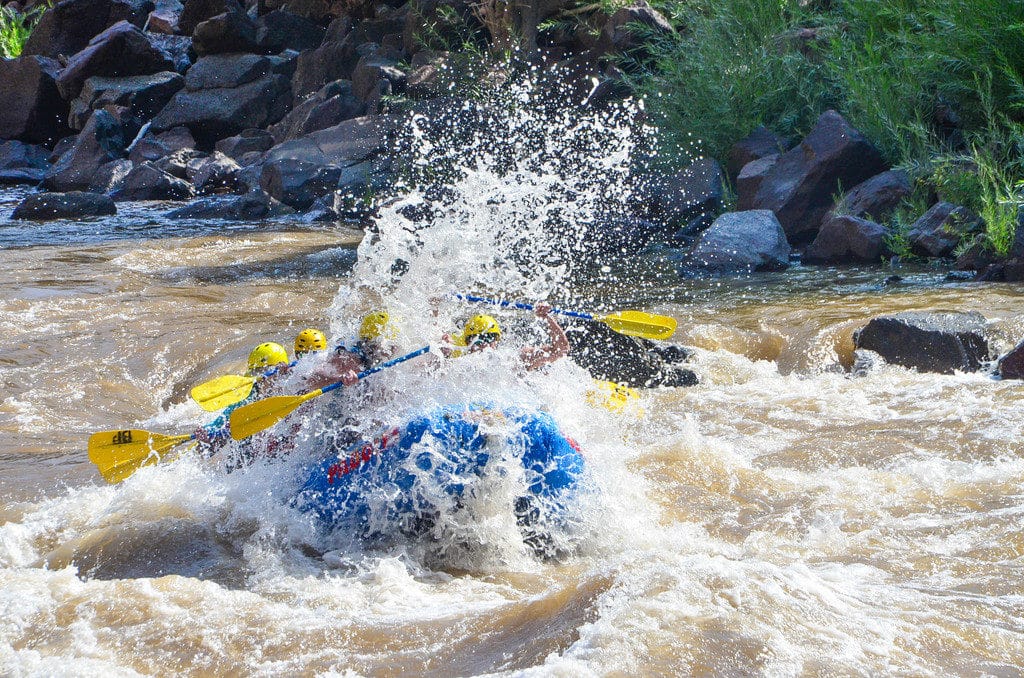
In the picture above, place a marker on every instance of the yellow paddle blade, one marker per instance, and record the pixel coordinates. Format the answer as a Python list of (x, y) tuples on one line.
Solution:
[(640, 324), (250, 419), (218, 393), (118, 454), (611, 396)]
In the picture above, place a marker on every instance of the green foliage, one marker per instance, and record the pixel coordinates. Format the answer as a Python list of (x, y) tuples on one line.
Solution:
[(912, 207), (15, 27), (729, 69), (1001, 200)]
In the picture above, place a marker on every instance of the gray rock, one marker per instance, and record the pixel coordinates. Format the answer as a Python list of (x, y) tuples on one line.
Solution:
[(68, 26), (847, 240), (248, 141), (760, 143), (332, 61), (877, 198), (348, 143), (252, 206), (927, 342), (633, 361), (144, 95), (103, 139), (197, 11), (72, 205), (939, 230), (22, 163), (333, 104), (32, 110), (215, 174), (121, 50), (740, 242), (279, 30), (147, 182), (164, 17), (177, 47), (749, 180), (225, 33), (176, 164), (110, 176), (297, 183), (800, 185), (156, 146)]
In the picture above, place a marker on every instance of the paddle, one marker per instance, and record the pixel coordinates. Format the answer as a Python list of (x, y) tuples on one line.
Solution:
[(630, 323), (611, 396), (218, 393), (118, 454), (250, 419)]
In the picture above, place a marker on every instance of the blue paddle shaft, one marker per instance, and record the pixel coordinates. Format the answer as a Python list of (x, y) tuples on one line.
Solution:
[(378, 368), (521, 306)]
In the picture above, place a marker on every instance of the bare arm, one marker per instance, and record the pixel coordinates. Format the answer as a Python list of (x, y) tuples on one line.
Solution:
[(342, 366), (535, 357)]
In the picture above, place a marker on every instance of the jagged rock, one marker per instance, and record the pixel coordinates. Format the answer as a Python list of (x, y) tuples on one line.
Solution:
[(198, 11), (374, 69), (121, 50), (875, 199), (178, 47), (72, 205), (846, 240), (740, 242), (215, 174), (632, 361), (1008, 270), (156, 146), (67, 27), (109, 176), (927, 342), (694, 191), (144, 95), (280, 30), (298, 183), (225, 33), (333, 104), (799, 186), (164, 17), (32, 109), (249, 141), (760, 143), (939, 230), (252, 206), (22, 163), (332, 61), (749, 180), (103, 139), (1011, 365), (348, 143), (146, 182), (176, 164), (225, 94)]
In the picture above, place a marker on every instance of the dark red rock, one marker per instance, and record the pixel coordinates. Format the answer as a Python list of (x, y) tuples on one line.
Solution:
[(939, 230), (847, 240), (121, 50), (69, 26), (32, 110), (760, 143), (1011, 365)]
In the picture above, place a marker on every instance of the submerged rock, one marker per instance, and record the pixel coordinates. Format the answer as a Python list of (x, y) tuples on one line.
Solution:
[(72, 205), (1011, 365), (249, 207), (927, 342)]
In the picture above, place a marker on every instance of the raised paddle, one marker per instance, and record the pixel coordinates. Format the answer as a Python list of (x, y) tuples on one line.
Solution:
[(250, 419), (118, 454), (631, 323)]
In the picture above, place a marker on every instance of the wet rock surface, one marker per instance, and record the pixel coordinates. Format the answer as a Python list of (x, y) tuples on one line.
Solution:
[(928, 342)]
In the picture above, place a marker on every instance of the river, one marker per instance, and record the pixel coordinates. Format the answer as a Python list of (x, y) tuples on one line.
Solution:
[(787, 516)]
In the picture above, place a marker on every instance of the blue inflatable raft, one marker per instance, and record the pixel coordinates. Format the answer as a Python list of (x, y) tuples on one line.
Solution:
[(402, 478)]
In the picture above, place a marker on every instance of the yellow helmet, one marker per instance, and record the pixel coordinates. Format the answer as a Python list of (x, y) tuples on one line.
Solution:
[(376, 325), (480, 326), (267, 355), (309, 341)]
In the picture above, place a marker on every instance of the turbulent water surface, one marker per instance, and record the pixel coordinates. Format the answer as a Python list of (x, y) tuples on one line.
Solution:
[(787, 516)]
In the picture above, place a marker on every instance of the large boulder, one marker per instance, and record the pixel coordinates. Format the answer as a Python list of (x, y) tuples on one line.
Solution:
[(298, 183), (143, 95), (632, 361), (693, 193), (197, 11), (157, 146), (147, 182), (847, 240), (214, 174), (333, 104), (120, 50), (32, 110), (799, 187), (333, 60), (740, 242), (1011, 365), (749, 180), (226, 94), (225, 33), (252, 206), (875, 199), (280, 30), (939, 230), (22, 163), (73, 205), (104, 139), (927, 342), (67, 27), (348, 143), (245, 144)]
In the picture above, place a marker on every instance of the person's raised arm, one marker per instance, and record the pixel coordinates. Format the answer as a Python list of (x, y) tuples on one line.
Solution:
[(535, 357)]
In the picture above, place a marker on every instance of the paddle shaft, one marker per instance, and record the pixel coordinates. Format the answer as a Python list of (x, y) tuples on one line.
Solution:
[(378, 368), (523, 307)]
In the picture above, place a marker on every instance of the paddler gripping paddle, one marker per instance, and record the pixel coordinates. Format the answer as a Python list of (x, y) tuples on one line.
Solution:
[(262, 414), (630, 323)]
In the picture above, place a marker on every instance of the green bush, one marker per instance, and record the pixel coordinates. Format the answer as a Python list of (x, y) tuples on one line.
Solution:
[(15, 27)]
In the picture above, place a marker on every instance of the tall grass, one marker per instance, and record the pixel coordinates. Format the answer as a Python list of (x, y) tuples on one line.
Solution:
[(15, 27)]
